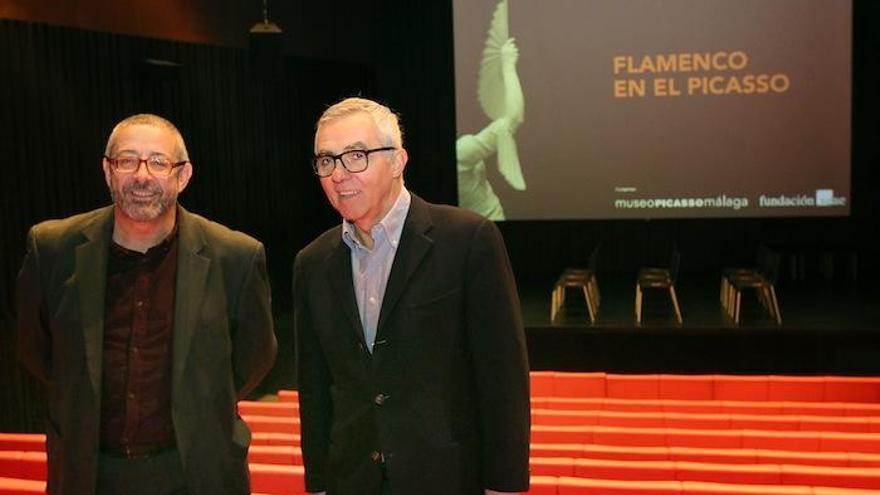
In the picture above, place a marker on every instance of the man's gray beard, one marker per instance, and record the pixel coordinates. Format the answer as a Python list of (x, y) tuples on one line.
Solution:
[(140, 211)]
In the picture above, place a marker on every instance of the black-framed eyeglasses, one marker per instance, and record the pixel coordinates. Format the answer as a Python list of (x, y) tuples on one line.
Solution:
[(353, 161), (157, 165)]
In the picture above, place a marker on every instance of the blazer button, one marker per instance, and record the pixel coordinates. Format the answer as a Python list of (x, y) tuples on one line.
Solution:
[(380, 399), (375, 456)]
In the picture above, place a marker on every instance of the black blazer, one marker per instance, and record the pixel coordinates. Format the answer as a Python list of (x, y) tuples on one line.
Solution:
[(223, 344), (444, 397)]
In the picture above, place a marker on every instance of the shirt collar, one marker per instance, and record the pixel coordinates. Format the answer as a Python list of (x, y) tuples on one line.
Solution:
[(391, 225), (154, 252)]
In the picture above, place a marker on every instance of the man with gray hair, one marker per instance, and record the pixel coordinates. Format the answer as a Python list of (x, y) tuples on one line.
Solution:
[(146, 323), (411, 357)]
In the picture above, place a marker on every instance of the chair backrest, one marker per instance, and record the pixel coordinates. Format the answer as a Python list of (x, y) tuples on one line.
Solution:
[(594, 256), (674, 263), (768, 264)]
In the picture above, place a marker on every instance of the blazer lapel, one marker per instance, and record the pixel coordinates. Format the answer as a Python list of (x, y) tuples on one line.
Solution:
[(192, 275), (91, 277), (339, 271), (414, 245)]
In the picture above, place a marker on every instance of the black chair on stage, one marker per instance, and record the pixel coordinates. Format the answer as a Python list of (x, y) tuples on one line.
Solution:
[(662, 278), (727, 295), (577, 278), (761, 279)]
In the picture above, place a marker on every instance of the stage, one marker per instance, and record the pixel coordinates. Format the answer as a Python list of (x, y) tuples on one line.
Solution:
[(828, 327)]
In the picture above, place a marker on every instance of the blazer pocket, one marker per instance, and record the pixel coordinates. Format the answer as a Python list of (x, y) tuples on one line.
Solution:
[(433, 300)]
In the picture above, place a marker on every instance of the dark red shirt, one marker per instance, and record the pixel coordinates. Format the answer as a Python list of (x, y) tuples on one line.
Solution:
[(138, 324)]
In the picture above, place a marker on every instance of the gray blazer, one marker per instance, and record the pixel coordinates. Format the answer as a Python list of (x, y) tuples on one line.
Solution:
[(224, 343)]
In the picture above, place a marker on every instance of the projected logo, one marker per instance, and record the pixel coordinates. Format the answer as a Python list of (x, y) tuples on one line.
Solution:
[(825, 197)]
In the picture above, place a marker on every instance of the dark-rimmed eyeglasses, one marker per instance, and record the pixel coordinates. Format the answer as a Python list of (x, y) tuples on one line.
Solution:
[(353, 161), (157, 165)]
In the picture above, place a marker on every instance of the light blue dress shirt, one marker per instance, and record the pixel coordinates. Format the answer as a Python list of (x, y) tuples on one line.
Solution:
[(370, 268)]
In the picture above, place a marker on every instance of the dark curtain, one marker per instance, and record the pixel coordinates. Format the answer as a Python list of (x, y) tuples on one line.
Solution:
[(249, 128), (248, 123)]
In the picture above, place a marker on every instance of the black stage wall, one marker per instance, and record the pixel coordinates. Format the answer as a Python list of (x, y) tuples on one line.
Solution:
[(249, 129)]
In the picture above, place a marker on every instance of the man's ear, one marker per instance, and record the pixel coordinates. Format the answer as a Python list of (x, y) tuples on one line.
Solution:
[(108, 172), (184, 176), (400, 160)]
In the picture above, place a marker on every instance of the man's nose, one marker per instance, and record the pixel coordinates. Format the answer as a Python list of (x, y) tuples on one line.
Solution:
[(142, 173), (340, 173)]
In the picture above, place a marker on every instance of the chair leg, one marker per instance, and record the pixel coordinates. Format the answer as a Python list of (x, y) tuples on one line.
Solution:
[(594, 288), (732, 298), (729, 300), (764, 298), (589, 301), (675, 304), (558, 301), (723, 292), (775, 306), (638, 304), (737, 303)]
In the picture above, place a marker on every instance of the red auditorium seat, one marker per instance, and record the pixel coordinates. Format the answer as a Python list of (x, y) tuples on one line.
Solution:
[(277, 480), (663, 419), (851, 389), (781, 440), (704, 488), (851, 424), (288, 396), (614, 434), (858, 459), (849, 442), (579, 385), (707, 407), (632, 386), (747, 388), (624, 470), (750, 474), (275, 454), (686, 387), (616, 452), (561, 434), (825, 490), (610, 435), (541, 384), (13, 486), (273, 424), (844, 477), (552, 466), (255, 408), (581, 486), (716, 439), (707, 387), (631, 419), (263, 438), (697, 454), (23, 465), (796, 388), (556, 450), (23, 441), (542, 485)]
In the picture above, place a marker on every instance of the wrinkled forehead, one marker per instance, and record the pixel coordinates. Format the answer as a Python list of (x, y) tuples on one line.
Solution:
[(145, 138), (357, 130)]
